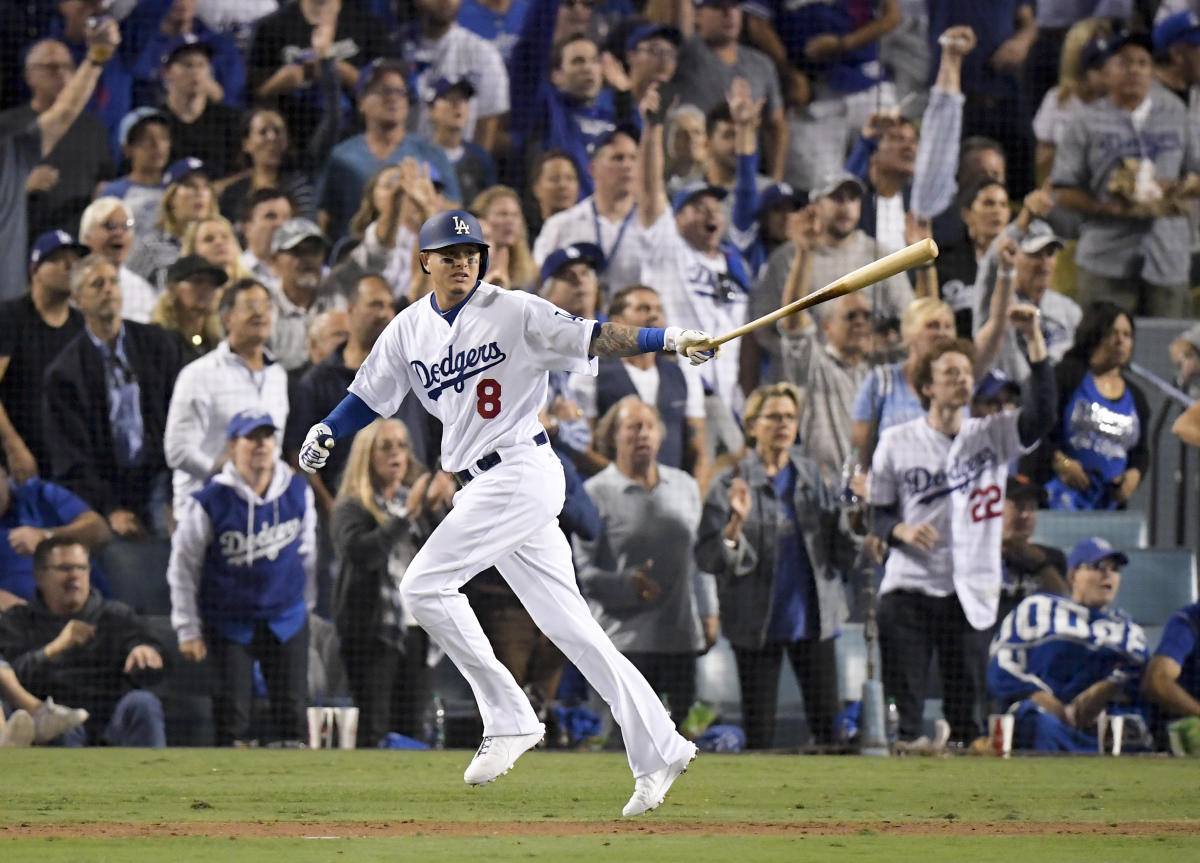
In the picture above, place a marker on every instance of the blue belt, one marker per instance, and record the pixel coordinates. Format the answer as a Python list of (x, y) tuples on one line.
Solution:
[(492, 459)]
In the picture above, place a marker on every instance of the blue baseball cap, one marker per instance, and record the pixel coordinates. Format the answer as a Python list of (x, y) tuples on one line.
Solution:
[(1180, 27), (606, 138), (52, 241), (587, 253), (694, 190), (1091, 551), (1093, 54), (652, 31), (181, 168), (781, 195), (176, 45), (992, 383), (135, 119), (245, 422), (442, 86), (1111, 45), (376, 69)]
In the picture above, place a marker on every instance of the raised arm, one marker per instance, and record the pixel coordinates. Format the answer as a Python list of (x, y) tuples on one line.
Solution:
[(803, 229), (990, 337), (941, 129), (102, 41), (652, 202)]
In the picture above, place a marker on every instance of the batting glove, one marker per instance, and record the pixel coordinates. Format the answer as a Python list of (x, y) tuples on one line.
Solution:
[(315, 451), (691, 343)]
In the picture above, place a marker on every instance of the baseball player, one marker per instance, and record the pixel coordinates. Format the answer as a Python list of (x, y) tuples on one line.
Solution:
[(478, 358), (937, 488)]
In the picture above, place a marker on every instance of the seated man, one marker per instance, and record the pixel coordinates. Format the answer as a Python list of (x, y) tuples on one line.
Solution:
[(72, 644), (1058, 662), (1172, 678), (33, 511)]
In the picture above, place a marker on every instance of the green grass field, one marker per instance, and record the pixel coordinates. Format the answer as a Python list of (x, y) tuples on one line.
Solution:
[(185, 805)]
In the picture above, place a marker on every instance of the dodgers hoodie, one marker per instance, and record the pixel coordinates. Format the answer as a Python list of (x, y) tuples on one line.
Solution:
[(238, 559)]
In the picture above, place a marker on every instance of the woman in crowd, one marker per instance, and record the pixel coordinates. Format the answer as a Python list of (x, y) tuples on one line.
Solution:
[(379, 521), (213, 239), (510, 263), (189, 197), (242, 557), (1098, 450), (1080, 82), (687, 145), (269, 165), (554, 188), (189, 308), (395, 202), (769, 533)]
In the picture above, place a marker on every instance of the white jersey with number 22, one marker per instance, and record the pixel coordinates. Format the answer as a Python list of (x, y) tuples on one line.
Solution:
[(481, 369)]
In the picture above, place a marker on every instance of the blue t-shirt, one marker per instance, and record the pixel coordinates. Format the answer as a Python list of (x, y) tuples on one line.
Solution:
[(1098, 432), (501, 29), (885, 394), (794, 614), (34, 503), (351, 165), (1179, 639), (797, 22)]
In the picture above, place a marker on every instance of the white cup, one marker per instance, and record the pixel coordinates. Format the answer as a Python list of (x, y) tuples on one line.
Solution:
[(347, 726), (1000, 734), (320, 727)]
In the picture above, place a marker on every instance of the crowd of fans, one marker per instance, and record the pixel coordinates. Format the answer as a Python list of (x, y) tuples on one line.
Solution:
[(210, 215)]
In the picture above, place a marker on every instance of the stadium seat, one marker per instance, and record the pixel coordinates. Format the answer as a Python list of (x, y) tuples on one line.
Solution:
[(1157, 583), (1124, 529)]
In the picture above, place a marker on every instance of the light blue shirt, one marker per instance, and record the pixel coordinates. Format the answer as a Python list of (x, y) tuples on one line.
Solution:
[(124, 401)]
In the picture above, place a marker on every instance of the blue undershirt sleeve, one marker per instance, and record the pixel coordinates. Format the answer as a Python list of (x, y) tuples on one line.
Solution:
[(351, 414)]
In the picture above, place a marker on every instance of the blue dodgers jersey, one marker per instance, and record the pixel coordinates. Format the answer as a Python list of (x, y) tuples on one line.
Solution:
[(1053, 644), (1099, 432), (1179, 642), (501, 29)]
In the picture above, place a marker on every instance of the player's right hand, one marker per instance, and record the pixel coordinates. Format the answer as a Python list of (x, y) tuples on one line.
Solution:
[(697, 346), (315, 450)]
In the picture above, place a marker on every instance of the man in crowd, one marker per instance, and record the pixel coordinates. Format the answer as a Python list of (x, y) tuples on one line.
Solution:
[(209, 126), (144, 137), (298, 253), (33, 330), (64, 180), (237, 375), (106, 397), (107, 228), (264, 211), (1028, 567), (449, 104), (71, 644)]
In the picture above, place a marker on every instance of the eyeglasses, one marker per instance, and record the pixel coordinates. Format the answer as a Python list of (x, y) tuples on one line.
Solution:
[(52, 67), (77, 568), (385, 92), (126, 225)]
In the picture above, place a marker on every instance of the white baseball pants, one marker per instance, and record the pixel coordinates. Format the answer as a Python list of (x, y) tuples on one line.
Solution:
[(507, 517)]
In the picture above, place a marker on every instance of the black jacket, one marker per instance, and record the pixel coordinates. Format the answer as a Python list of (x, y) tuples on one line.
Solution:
[(92, 675), (75, 405)]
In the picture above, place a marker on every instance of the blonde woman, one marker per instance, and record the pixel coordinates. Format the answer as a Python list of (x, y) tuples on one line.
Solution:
[(510, 261), (1080, 81), (379, 522), (189, 197), (189, 305), (213, 239)]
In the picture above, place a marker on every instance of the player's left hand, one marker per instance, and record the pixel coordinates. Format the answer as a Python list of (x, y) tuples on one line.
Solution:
[(315, 450), (695, 345)]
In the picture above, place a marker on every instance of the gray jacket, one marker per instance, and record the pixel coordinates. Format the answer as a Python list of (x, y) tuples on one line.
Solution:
[(746, 574)]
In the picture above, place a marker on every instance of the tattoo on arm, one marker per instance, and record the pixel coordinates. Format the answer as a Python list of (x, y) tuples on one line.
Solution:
[(616, 340)]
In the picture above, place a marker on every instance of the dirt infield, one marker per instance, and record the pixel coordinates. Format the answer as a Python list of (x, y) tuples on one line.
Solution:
[(385, 830)]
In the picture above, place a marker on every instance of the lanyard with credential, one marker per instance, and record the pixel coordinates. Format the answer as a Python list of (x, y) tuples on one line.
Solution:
[(609, 255)]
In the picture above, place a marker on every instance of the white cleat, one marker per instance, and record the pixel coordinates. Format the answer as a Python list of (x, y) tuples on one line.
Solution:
[(650, 790), (18, 731), (496, 755)]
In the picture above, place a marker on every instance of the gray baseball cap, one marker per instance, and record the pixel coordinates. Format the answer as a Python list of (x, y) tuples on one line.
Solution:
[(293, 232), (830, 183), (1192, 336), (1038, 237)]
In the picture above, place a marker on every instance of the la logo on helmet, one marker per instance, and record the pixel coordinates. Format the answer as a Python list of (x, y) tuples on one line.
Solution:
[(460, 227)]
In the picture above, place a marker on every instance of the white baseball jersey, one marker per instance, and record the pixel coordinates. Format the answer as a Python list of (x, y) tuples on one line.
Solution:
[(955, 484), (457, 55), (582, 223), (697, 293), (480, 368)]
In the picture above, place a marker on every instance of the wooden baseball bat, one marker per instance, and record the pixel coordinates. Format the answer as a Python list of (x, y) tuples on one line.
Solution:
[(916, 255)]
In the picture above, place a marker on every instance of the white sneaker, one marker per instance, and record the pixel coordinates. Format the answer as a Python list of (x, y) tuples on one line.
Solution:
[(649, 791), (496, 755), (18, 731), (54, 720)]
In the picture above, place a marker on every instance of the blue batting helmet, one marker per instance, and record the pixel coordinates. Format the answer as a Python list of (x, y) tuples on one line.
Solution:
[(452, 228)]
